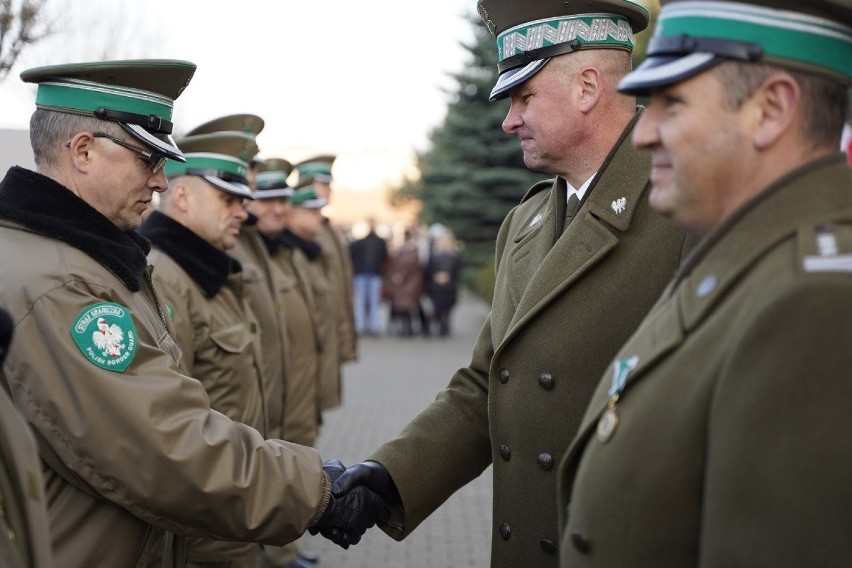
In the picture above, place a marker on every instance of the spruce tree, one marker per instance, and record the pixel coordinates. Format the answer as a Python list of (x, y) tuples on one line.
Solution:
[(473, 173)]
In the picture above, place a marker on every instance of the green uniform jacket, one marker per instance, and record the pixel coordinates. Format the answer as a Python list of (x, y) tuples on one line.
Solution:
[(130, 457), (560, 312), (257, 284), (302, 413), (338, 266), (202, 290), (323, 309), (733, 443), (24, 539)]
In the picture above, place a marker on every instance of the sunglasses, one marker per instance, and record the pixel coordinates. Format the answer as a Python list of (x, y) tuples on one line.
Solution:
[(155, 160)]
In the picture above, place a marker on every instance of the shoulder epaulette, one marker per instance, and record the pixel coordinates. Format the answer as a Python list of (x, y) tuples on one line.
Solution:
[(826, 248)]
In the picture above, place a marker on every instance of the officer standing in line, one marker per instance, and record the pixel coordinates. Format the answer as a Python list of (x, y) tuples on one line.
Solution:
[(572, 284), (202, 288), (293, 294), (251, 253), (719, 436), (24, 539), (300, 261), (337, 265), (133, 454)]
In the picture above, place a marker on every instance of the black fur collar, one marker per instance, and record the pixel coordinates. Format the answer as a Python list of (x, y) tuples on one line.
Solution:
[(311, 249), (272, 245), (206, 265), (43, 206)]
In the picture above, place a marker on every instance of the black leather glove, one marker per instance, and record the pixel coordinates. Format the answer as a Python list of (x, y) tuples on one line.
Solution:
[(349, 515), (372, 475)]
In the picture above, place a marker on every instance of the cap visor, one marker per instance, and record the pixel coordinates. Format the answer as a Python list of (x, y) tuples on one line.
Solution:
[(231, 187), (659, 71), (262, 194), (318, 203), (514, 77), (163, 143)]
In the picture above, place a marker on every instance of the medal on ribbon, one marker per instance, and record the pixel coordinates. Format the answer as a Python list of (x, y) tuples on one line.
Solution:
[(609, 419)]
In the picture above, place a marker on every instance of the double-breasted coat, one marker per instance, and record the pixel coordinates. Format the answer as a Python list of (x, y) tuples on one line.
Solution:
[(732, 445), (132, 452), (563, 305)]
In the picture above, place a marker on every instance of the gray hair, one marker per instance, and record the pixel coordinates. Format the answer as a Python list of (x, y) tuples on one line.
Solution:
[(50, 130), (825, 102)]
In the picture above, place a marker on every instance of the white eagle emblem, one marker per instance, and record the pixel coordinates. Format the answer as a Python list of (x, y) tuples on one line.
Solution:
[(108, 339), (619, 205)]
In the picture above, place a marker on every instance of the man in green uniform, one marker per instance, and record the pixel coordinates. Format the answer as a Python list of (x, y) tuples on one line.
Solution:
[(202, 287), (249, 250), (337, 264), (134, 457), (294, 295), (572, 284), (719, 436), (24, 539)]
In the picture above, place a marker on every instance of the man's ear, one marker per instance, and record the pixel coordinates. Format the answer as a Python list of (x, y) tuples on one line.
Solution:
[(181, 194), (81, 148), (590, 84), (775, 105)]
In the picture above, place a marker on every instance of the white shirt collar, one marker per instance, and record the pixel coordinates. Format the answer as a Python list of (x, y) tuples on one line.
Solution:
[(580, 192)]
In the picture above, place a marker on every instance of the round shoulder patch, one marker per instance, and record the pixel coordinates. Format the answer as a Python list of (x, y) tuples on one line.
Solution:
[(105, 334)]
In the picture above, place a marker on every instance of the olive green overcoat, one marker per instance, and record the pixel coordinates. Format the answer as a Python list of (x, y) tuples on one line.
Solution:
[(24, 538), (563, 305), (732, 446)]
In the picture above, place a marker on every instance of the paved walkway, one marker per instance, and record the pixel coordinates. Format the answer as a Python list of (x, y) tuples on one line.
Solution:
[(391, 382)]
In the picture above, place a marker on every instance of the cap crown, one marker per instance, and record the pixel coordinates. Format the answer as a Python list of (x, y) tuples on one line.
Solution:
[(221, 154), (138, 94), (271, 181), (814, 35), (319, 167), (306, 195), (247, 123)]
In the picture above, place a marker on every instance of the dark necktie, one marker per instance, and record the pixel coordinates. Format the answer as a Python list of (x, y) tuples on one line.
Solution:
[(571, 209)]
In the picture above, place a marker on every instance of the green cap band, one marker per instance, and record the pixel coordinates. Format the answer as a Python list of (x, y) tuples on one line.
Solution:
[(86, 97), (269, 180), (208, 161), (598, 30), (785, 36)]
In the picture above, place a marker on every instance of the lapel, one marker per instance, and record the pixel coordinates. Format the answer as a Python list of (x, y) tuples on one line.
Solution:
[(815, 194), (543, 270)]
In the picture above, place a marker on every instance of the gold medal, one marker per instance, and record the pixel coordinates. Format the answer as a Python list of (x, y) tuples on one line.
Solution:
[(607, 425)]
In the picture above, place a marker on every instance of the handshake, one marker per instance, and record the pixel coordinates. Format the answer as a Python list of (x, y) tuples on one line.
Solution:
[(362, 495)]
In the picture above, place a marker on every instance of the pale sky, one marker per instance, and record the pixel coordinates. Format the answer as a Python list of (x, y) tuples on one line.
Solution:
[(364, 80)]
